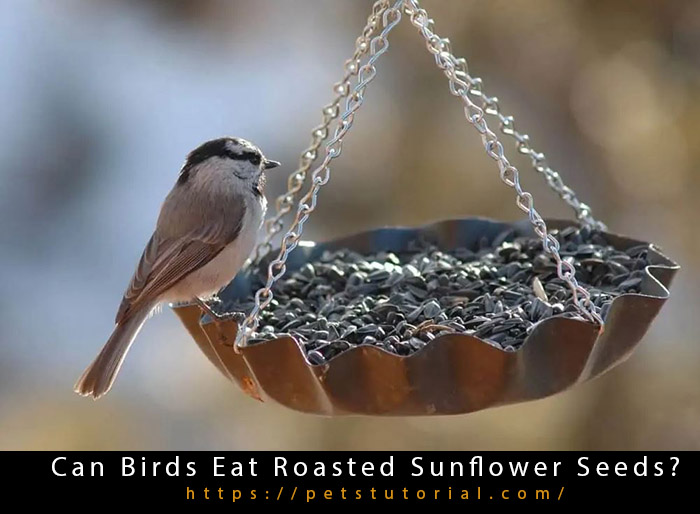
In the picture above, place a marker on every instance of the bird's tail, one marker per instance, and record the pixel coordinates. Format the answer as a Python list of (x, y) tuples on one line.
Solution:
[(98, 378)]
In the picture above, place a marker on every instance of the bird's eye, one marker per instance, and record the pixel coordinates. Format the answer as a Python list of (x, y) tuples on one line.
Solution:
[(253, 157)]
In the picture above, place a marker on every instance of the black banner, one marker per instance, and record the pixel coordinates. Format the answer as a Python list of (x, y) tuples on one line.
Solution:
[(456, 479)]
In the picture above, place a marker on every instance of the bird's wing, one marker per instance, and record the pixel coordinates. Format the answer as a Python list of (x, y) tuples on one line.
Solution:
[(166, 260)]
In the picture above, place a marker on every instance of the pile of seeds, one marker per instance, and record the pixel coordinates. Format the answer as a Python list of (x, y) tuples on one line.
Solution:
[(401, 301)]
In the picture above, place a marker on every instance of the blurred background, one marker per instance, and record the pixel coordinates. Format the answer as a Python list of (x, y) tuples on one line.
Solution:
[(101, 100)]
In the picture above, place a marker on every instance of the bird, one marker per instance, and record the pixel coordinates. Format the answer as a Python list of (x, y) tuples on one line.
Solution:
[(205, 232)]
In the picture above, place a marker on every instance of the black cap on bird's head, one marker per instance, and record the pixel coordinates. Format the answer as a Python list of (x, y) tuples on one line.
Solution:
[(233, 148)]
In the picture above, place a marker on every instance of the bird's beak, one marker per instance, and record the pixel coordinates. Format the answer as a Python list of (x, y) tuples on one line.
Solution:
[(270, 164)]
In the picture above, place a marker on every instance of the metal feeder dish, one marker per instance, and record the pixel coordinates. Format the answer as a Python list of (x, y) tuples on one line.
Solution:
[(454, 373)]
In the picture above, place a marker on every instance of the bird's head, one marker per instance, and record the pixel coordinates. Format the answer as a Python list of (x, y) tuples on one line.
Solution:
[(229, 155)]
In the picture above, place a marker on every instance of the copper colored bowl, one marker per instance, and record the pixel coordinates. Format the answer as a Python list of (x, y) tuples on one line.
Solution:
[(453, 374)]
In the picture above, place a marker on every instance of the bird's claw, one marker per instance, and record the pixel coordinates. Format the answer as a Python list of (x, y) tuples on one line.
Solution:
[(219, 317)]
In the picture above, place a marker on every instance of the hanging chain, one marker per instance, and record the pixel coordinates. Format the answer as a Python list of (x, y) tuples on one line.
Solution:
[(507, 126), (462, 85), (321, 175), (330, 112), (494, 148), (538, 160)]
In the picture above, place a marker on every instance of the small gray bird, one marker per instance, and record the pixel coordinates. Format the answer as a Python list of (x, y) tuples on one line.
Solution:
[(206, 230)]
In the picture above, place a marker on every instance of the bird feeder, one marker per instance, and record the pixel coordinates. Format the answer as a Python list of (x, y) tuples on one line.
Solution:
[(488, 314)]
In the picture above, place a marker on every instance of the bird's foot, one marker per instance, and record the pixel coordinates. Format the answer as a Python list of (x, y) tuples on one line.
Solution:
[(218, 317)]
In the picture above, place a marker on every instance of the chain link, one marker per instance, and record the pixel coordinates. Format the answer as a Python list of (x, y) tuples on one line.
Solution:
[(330, 112), (321, 175), (494, 149)]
